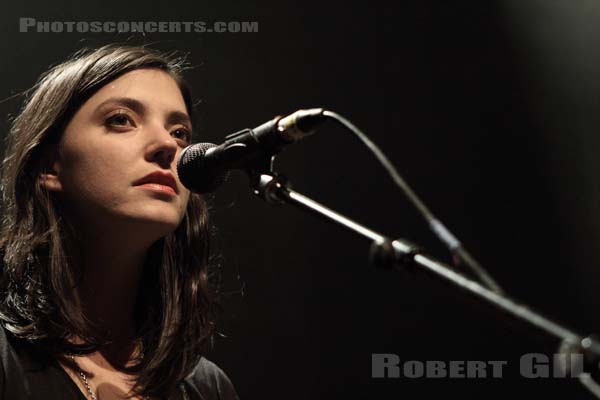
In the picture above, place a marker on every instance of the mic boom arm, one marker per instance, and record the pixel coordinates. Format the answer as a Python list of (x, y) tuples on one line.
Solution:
[(400, 254)]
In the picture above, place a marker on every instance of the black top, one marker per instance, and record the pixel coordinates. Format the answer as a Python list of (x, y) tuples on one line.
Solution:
[(26, 373)]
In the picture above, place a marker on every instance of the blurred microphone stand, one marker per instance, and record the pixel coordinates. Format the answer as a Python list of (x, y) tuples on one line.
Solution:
[(400, 254)]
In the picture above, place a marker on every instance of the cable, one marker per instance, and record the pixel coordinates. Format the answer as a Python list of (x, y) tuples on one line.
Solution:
[(454, 245)]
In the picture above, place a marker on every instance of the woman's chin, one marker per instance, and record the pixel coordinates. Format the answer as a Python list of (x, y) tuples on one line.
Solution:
[(145, 226), (155, 225), (162, 214)]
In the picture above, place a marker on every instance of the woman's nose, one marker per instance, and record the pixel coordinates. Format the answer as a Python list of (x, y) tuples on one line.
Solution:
[(161, 148)]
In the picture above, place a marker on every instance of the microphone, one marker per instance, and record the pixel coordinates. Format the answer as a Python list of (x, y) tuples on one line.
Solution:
[(203, 167)]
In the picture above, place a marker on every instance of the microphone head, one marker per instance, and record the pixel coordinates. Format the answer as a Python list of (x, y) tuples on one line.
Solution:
[(194, 172)]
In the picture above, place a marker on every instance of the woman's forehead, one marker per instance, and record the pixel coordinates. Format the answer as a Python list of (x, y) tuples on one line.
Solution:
[(153, 87)]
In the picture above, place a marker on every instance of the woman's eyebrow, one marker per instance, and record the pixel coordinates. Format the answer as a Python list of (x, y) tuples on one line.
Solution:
[(174, 117), (128, 102), (178, 117)]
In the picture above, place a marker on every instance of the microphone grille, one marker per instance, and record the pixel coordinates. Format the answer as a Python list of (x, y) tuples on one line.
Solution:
[(194, 172)]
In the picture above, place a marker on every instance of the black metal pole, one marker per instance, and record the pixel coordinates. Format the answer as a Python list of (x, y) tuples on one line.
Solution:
[(400, 253)]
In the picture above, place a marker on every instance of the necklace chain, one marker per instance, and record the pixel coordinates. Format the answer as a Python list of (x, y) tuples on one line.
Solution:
[(93, 396), (84, 379)]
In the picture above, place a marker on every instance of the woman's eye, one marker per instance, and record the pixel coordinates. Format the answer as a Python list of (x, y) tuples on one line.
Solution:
[(183, 134), (120, 120)]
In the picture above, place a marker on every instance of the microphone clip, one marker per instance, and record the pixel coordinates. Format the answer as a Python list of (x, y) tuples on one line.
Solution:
[(270, 187)]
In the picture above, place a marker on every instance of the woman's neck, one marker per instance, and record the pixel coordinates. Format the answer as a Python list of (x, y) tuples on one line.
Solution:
[(112, 270)]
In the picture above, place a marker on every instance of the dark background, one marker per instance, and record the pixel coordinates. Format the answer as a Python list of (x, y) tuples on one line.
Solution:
[(488, 109)]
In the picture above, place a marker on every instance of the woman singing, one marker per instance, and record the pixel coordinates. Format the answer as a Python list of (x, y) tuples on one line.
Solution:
[(103, 290)]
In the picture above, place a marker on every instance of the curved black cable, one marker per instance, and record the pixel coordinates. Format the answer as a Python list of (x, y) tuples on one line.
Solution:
[(439, 229)]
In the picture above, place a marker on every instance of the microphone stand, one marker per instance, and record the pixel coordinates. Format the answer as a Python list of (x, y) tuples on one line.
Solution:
[(398, 254)]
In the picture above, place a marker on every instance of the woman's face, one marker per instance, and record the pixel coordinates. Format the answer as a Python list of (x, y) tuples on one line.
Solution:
[(116, 167)]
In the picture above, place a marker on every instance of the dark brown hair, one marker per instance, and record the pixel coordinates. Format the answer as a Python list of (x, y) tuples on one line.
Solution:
[(174, 309)]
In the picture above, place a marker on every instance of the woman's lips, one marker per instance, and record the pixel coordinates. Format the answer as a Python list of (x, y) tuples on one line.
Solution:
[(159, 181), (158, 188)]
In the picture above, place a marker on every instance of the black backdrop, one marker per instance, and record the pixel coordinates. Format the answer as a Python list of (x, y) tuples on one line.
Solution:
[(489, 109)]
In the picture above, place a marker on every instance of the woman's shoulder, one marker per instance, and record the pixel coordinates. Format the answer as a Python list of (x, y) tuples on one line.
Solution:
[(12, 370), (210, 382), (4, 355), (206, 382)]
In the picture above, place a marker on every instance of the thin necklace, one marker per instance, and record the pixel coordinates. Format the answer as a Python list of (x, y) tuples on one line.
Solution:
[(93, 396), (84, 379)]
